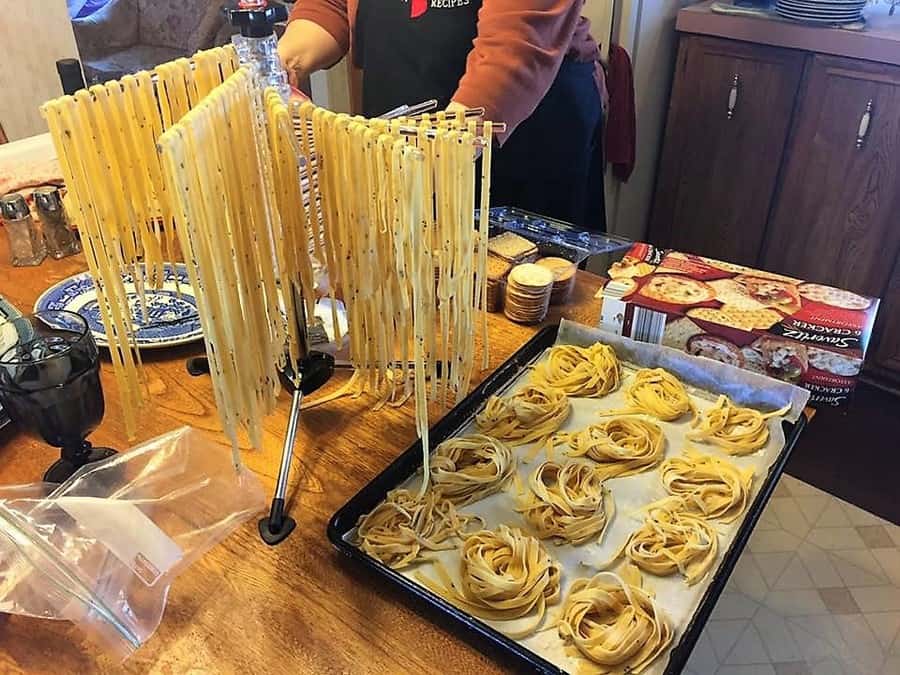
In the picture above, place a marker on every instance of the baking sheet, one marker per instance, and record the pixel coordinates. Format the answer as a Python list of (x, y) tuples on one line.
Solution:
[(678, 601)]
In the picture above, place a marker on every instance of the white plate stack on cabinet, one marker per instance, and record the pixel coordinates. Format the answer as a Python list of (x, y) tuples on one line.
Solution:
[(838, 12)]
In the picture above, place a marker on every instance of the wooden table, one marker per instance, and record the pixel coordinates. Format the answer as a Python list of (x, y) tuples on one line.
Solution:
[(245, 607)]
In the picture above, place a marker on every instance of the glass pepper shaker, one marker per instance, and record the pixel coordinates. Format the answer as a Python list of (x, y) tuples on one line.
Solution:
[(26, 245), (61, 241)]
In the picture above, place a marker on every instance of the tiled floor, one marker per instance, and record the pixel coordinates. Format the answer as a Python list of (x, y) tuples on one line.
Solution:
[(816, 591)]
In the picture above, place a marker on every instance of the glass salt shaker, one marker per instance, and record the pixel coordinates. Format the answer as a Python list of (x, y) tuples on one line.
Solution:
[(26, 245), (61, 241)]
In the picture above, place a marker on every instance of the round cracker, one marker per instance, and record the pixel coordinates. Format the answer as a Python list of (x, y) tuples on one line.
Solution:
[(531, 275)]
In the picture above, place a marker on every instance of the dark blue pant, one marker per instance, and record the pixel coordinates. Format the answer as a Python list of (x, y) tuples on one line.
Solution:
[(551, 164)]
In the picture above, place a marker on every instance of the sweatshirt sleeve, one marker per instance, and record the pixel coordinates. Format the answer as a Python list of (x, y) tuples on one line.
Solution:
[(329, 14), (516, 55)]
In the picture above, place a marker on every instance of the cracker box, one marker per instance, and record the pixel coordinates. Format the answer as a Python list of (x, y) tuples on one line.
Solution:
[(793, 330)]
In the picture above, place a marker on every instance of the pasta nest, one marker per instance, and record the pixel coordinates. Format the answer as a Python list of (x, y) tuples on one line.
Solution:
[(613, 623), (672, 540), (469, 468), (738, 431), (656, 392), (405, 526), (532, 414), (504, 575), (579, 371), (710, 487), (567, 502), (624, 446)]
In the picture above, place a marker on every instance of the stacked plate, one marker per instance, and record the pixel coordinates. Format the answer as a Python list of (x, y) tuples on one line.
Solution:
[(528, 290), (821, 11)]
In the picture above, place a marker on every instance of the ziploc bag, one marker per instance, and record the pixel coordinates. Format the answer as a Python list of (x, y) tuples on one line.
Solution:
[(102, 549)]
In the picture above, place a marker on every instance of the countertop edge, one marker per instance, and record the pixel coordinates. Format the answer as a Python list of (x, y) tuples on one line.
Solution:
[(850, 44)]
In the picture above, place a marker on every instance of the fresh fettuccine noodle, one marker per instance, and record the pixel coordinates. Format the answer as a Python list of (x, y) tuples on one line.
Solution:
[(105, 139), (579, 371), (469, 468), (710, 487), (738, 431), (672, 540), (532, 414), (614, 623), (567, 502), (623, 446), (380, 204), (656, 392), (504, 575), (405, 527)]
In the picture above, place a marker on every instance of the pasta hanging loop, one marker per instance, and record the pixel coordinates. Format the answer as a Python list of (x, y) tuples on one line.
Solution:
[(738, 431), (532, 414), (567, 502), (467, 469), (710, 487), (579, 371), (623, 446), (404, 527), (614, 623), (655, 392), (504, 575)]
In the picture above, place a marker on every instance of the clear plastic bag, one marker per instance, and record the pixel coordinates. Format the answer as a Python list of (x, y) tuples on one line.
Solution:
[(102, 549)]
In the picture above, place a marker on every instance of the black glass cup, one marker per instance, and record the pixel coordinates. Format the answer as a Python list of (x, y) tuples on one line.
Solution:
[(50, 385)]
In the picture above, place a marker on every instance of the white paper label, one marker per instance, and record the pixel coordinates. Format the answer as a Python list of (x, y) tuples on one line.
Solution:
[(612, 314), (128, 534)]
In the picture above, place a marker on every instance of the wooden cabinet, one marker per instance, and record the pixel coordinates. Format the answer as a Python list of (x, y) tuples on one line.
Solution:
[(789, 161), (836, 216), (728, 122), (884, 360)]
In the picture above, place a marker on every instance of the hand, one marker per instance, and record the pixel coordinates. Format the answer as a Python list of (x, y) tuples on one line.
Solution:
[(290, 50), (305, 48), (455, 107)]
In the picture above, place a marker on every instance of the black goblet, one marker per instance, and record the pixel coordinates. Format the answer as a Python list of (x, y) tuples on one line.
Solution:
[(50, 385)]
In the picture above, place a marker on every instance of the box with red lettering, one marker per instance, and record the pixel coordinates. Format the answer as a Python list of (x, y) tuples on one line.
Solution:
[(790, 329)]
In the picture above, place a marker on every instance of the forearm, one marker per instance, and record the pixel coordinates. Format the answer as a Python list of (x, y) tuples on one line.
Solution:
[(306, 47), (516, 55)]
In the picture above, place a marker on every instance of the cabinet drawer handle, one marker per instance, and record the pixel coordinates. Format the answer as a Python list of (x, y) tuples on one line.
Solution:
[(864, 121), (733, 95)]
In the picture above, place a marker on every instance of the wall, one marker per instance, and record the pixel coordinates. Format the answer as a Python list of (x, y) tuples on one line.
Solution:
[(34, 34), (646, 28)]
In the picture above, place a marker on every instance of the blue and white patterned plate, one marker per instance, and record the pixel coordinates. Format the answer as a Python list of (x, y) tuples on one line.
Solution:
[(172, 320)]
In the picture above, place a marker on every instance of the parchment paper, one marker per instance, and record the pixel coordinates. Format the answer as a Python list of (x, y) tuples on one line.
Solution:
[(677, 601)]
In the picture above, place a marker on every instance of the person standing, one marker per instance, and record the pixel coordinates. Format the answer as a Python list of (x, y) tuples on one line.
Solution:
[(529, 63)]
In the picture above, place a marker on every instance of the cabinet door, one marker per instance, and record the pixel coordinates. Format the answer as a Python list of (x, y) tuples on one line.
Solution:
[(728, 121), (836, 218), (886, 359)]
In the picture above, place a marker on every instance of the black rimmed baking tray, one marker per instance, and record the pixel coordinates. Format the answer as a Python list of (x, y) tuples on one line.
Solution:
[(405, 466)]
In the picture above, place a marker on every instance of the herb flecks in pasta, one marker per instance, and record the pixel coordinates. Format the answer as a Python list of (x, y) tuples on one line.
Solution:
[(532, 414), (671, 541), (614, 623), (504, 575), (579, 371), (655, 392), (466, 469), (623, 446), (710, 487), (405, 527), (737, 430), (567, 502)]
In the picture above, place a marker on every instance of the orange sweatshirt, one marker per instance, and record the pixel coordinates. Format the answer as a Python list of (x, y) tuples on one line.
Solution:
[(514, 58)]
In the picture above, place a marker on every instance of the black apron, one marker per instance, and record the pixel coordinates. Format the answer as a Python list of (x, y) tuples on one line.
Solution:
[(415, 50)]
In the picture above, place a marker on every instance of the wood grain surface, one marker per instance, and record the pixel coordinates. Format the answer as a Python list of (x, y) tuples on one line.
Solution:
[(835, 220), (717, 174), (245, 607)]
